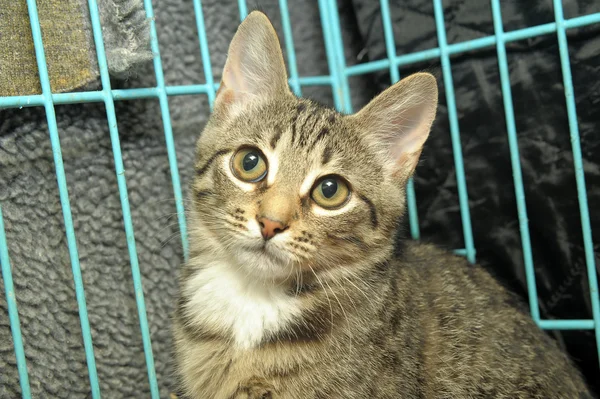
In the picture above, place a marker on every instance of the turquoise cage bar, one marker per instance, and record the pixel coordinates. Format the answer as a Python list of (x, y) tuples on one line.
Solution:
[(339, 74)]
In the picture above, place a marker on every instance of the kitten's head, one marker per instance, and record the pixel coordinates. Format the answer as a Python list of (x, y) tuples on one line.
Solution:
[(284, 185)]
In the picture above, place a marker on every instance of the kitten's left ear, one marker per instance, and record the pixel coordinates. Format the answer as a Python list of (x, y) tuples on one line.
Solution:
[(254, 69), (398, 121)]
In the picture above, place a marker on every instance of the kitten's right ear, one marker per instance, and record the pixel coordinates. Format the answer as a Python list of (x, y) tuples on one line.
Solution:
[(254, 69)]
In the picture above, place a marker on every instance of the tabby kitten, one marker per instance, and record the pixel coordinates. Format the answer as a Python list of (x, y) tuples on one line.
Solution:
[(295, 288)]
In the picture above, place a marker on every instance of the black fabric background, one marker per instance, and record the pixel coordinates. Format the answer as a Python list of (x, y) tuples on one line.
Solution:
[(544, 145)]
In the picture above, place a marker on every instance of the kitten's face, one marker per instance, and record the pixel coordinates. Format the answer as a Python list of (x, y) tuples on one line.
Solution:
[(284, 186), (293, 187)]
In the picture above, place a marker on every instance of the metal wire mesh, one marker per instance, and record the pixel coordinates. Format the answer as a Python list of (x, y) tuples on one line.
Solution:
[(338, 80)]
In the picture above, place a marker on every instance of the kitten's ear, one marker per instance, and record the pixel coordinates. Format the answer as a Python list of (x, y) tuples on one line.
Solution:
[(254, 69), (398, 120)]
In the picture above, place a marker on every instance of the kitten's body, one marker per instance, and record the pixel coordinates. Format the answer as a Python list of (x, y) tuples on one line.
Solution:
[(325, 306), (426, 325)]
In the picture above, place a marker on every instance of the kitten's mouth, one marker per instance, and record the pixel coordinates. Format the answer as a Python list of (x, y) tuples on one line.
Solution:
[(264, 259), (265, 248)]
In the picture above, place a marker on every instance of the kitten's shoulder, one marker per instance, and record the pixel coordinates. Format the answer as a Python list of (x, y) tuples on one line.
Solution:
[(419, 254), (438, 271), (437, 266)]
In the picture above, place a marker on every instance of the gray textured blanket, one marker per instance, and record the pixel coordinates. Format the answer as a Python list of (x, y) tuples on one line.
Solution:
[(34, 222)]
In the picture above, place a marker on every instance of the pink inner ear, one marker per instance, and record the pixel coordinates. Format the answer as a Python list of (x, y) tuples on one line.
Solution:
[(225, 96), (232, 76), (406, 146), (231, 90), (411, 129)]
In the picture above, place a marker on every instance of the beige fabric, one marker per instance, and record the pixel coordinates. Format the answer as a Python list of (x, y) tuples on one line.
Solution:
[(68, 46)]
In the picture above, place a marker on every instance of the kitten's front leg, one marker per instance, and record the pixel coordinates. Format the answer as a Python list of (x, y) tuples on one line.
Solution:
[(255, 388)]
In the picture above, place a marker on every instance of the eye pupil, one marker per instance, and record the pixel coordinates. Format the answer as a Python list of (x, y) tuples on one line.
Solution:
[(329, 187), (250, 161)]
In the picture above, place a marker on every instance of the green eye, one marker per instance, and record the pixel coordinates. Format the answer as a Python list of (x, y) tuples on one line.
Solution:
[(248, 164), (331, 192)]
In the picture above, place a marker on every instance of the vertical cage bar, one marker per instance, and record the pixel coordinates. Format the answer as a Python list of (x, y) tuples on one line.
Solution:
[(122, 184), (168, 130), (289, 46), (330, 52), (390, 46), (243, 9), (64, 196), (13, 313), (515, 160), (204, 52), (338, 45), (463, 198), (588, 244)]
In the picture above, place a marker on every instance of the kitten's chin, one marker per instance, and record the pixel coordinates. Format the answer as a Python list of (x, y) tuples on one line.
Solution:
[(264, 262)]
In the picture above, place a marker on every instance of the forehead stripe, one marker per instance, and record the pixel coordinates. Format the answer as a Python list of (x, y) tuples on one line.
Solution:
[(293, 123), (299, 109), (321, 135), (276, 137), (306, 133), (326, 155), (204, 168)]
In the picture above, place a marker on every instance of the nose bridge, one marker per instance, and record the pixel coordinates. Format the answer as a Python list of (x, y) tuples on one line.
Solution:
[(280, 201), (277, 204)]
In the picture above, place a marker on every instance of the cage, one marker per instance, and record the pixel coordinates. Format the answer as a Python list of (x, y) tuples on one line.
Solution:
[(338, 78)]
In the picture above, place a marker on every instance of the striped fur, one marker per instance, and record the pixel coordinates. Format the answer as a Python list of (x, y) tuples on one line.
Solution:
[(331, 307)]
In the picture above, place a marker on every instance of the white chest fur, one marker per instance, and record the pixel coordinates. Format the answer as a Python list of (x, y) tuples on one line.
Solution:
[(223, 298)]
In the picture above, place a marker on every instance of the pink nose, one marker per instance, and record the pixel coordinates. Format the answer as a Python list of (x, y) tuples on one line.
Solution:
[(269, 228)]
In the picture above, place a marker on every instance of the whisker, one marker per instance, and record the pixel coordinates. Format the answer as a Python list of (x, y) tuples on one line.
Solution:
[(343, 287), (344, 312), (325, 291), (170, 238), (358, 288)]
